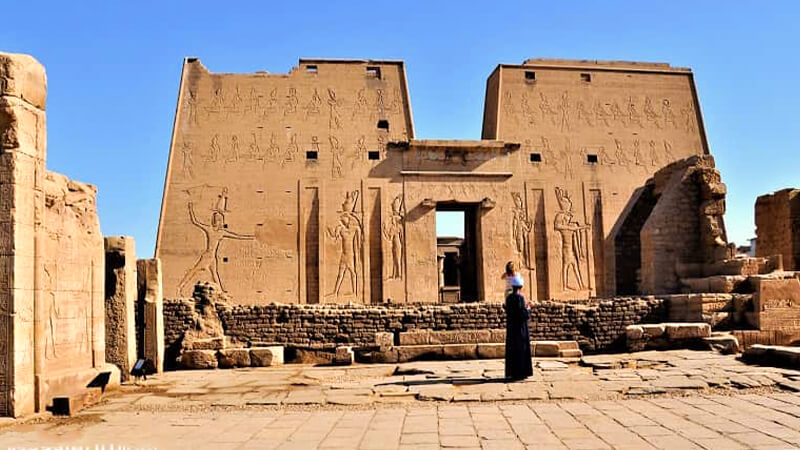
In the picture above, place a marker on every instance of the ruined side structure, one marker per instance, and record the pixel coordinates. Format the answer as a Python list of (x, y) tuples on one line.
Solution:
[(778, 226), (51, 283), (310, 187)]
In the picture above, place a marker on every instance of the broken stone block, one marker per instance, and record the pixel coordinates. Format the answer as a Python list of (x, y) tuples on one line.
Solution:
[(634, 332), (388, 356), (727, 344), (414, 337), (654, 330), (22, 76), (266, 356), (688, 330), (418, 352), (214, 343), (234, 357), (120, 303), (384, 340), (199, 359), (343, 356), (151, 304)]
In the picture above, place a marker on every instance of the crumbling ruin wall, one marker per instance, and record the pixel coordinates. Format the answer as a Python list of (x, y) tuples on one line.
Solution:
[(686, 224), (596, 326), (778, 226), (52, 312)]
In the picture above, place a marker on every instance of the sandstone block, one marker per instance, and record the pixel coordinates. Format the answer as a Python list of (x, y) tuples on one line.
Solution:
[(384, 340), (235, 357), (546, 349), (654, 330), (343, 356), (199, 359), (688, 330), (571, 353), (491, 351), (24, 77), (388, 356), (460, 351), (414, 337), (215, 343), (419, 352), (266, 356), (151, 302), (120, 328), (22, 127), (634, 332), (727, 344), (497, 336)]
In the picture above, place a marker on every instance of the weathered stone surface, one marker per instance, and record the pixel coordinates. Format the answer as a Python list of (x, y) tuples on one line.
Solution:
[(266, 356), (688, 330), (384, 340), (419, 352), (120, 326), (491, 351), (776, 303), (235, 357), (151, 303), (634, 332), (199, 359), (546, 349), (22, 76), (460, 351), (777, 232), (726, 344), (343, 356)]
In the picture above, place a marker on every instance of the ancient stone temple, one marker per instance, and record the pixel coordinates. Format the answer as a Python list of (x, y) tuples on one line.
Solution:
[(311, 187)]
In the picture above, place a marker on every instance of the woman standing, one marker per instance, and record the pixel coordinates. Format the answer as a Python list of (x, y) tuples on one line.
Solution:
[(508, 275), (518, 338)]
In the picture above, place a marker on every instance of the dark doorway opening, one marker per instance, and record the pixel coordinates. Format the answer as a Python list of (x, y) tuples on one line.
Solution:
[(457, 252)]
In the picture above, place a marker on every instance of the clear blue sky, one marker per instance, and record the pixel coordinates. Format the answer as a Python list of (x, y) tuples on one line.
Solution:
[(114, 68)]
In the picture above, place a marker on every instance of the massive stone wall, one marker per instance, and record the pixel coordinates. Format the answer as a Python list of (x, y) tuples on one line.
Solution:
[(51, 286), (591, 133), (309, 187), (778, 226), (598, 325)]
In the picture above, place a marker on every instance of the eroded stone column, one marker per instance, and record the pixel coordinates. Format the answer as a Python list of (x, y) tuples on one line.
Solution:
[(120, 302), (151, 304), (23, 87)]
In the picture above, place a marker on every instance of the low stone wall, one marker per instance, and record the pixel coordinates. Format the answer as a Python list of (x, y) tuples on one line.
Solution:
[(596, 325)]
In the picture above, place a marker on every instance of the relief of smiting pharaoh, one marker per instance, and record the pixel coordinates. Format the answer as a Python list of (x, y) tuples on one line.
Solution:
[(215, 232), (348, 233), (573, 241)]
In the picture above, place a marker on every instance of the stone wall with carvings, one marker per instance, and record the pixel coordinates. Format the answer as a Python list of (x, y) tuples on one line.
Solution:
[(310, 187), (51, 298), (778, 226)]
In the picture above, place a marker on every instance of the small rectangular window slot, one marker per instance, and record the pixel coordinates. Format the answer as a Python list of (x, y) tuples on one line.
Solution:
[(383, 125), (591, 159), (373, 155), (224, 225), (311, 155), (530, 76), (374, 72), (536, 157), (312, 69), (586, 77), (224, 259), (259, 225)]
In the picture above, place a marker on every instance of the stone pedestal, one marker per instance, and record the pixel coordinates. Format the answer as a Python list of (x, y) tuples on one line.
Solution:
[(121, 293), (151, 302)]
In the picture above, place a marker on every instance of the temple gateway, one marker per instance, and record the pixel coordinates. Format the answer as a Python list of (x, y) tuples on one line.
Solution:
[(311, 186)]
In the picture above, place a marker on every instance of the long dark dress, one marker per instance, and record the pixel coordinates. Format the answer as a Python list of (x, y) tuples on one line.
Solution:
[(518, 338)]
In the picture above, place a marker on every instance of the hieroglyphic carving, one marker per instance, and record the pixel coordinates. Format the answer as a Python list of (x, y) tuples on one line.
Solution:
[(637, 154), (362, 104), (359, 152), (547, 110), (566, 161), (563, 111), (336, 161), (527, 109), (292, 149), (274, 150), (634, 118), (650, 113), (214, 149), (313, 105), (616, 113), (349, 234), (583, 115), (187, 160), (191, 107), (573, 241), (53, 315), (272, 103), (215, 232), (290, 105), (688, 116), (619, 154), (655, 160), (380, 103), (396, 104), (667, 114), (600, 114), (508, 104), (233, 154), (668, 151), (521, 226), (334, 118), (393, 232), (253, 102)]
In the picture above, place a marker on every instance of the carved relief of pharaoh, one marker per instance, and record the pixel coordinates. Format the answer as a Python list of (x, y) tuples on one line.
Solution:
[(521, 227), (348, 233), (573, 242), (393, 232)]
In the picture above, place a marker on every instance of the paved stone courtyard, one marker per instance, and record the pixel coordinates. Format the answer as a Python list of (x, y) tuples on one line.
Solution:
[(676, 399)]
